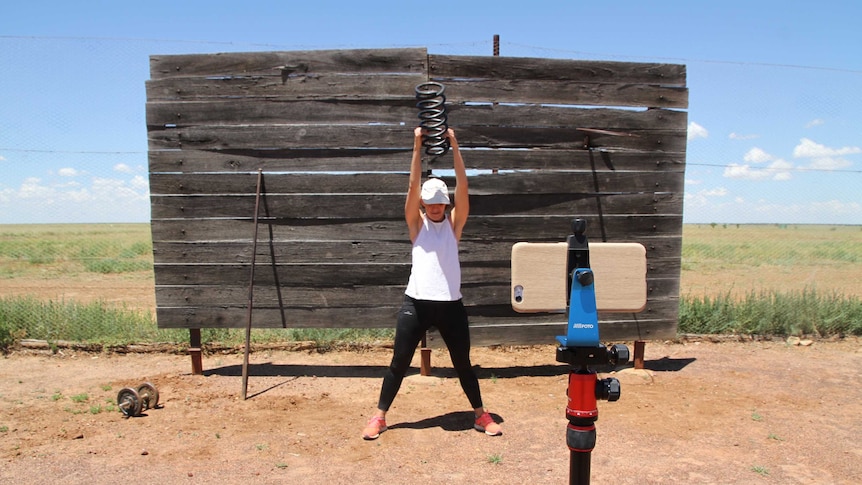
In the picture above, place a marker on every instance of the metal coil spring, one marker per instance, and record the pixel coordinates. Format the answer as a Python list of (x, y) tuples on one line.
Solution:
[(432, 117)]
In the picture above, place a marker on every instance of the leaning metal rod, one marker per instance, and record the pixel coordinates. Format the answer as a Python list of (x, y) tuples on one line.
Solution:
[(251, 287)]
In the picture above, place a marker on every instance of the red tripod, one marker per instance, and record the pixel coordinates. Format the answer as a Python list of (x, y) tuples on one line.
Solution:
[(580, 349), (585, 389)]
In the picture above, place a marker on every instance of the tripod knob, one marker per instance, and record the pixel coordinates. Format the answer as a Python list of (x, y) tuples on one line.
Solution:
[(584, 276), (618, 354), (579, 226), (608, 389)]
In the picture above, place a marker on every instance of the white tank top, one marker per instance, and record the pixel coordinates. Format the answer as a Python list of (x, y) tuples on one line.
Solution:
[(436, 271)]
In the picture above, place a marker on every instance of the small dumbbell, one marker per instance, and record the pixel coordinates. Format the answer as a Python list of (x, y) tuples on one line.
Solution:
[(133, 401), (149, 396)]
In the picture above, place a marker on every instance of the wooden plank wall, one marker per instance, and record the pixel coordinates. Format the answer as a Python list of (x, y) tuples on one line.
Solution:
[(331, 132)]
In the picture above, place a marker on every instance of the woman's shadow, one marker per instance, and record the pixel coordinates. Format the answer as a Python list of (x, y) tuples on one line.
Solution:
[(454, 421)]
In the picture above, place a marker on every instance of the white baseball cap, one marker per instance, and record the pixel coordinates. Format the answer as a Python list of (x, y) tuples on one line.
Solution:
[(435, 191)]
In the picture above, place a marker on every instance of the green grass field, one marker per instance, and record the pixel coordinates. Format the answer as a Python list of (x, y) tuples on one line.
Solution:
[(738, 259), (775, 279), (70, 249), (714, 253), (721, 246)]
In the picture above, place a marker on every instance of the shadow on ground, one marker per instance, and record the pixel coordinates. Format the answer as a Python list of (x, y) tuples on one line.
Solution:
[(453, 421), (269, 369)]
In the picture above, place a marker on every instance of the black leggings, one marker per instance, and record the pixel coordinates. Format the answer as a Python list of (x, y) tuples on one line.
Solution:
[(414, 319)]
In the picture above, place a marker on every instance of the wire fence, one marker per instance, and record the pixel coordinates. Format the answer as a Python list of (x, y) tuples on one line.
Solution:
[(772, 175)]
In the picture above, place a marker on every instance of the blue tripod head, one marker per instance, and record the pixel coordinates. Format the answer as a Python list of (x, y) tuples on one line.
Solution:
[(583, 325)]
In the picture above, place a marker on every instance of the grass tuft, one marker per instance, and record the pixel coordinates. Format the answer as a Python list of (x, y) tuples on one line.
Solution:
[(772, 312), (102, 323), (759, 313)]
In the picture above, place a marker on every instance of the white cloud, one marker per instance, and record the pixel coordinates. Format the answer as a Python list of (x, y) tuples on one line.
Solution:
[(2, 158), (122, 168), (756, 155), (810, 149), (780, 164), (696, 131), (737, 136), (109, 189), (778, 169), (716, 192), (100, 200), (68, 172), (829, 163), (699, 209), (80, 196), (823, 157), (693, 182), (140, 183), (818, 211), (814, 122), (835, 207), (32, 188), (704, 198), (745, 172)]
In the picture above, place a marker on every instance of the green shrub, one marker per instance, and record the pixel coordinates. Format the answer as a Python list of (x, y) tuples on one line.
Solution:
[(111, 265), (102, 323), (96, 322), (772, 313)]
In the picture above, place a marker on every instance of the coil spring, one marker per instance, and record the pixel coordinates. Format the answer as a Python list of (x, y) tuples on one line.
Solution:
[(432, 117)]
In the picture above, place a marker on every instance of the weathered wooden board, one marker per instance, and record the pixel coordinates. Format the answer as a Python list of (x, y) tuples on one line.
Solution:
[(320, 275), (189, 160), (297, 86), (535, 68), (365, 135), (275, 296), (545, 140), (389, 206), (288, 64), (381, 316), (660, 250), (531, 80), (493, 229), (402, 108), (532, 332), (507, 183)]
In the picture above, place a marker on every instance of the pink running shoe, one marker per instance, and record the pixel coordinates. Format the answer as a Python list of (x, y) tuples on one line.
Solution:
[(486, 424), (376, 425)]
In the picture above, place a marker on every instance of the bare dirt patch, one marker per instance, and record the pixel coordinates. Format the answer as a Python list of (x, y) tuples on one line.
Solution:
[(702, 412)]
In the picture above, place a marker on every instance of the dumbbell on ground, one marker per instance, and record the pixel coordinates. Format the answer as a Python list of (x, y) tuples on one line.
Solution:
[(132, 402)]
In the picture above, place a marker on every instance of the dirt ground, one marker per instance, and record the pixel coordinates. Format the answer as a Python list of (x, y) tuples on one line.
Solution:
[(701, 412)]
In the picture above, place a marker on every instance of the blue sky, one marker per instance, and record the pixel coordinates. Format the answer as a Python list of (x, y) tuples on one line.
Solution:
[(775, 133)]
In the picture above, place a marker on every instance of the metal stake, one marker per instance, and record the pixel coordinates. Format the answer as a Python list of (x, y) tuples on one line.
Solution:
[(251, 287)]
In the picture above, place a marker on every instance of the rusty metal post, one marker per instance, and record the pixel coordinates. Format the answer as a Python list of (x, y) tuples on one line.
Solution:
[(496, 54), (639, 354), (251, 287), (195, 351), (425, 356)]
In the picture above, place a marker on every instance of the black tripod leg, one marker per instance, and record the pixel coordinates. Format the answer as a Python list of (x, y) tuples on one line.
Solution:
[(581, 439), (579, 468)]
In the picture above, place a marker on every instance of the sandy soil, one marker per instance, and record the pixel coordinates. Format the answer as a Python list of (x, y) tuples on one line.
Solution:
[(701, 412)]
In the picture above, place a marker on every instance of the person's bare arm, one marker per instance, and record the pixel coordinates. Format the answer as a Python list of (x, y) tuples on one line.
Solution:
[(412, 211), (462, 200)]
